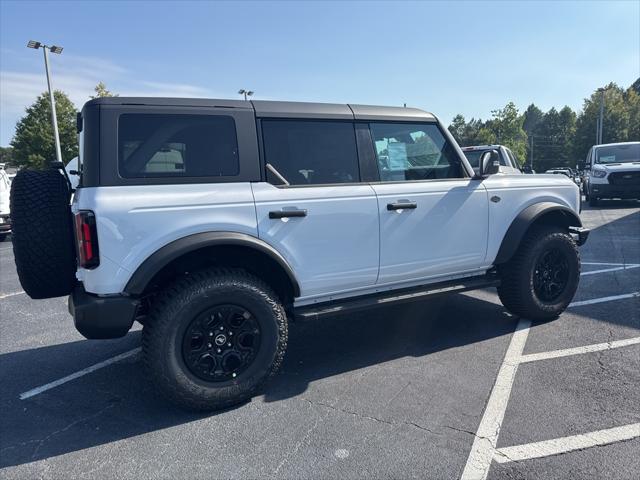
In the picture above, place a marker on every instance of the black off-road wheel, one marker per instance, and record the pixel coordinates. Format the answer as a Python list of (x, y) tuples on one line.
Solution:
[(214, 338), (539, 282), (42, 233)]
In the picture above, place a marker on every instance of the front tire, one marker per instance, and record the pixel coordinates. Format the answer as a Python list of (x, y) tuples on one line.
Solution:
[(541, 279), (213, 338)]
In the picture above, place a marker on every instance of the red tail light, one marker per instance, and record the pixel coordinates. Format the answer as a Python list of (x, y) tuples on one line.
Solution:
[(87, 239)]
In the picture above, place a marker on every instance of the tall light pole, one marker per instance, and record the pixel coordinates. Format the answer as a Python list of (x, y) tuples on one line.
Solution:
[(54, 120), (246, 93), (601, 117)]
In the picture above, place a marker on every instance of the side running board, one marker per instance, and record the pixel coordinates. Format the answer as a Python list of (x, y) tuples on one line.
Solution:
[(310, 312)]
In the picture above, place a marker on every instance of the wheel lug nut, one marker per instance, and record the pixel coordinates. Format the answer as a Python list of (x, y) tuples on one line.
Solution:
[(233, 375), (209, 345), (211, 334), (218, 350), (228, 344), (230, 333)]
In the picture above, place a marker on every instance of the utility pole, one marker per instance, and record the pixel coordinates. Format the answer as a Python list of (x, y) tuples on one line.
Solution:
[(54, 119), (600, 123)]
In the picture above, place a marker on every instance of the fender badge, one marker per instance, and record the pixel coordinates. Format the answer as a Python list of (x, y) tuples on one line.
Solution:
[(495, 199)]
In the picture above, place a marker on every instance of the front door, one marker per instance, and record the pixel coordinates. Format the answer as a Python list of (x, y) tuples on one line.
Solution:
[(325, 223), (433, 217)]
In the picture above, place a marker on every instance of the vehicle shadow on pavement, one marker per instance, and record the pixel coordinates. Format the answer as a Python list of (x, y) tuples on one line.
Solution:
[(119, 402)]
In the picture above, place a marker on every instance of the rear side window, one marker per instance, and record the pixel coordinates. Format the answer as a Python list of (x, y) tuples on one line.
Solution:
[(407, 152), (309, 152), (161, 145)]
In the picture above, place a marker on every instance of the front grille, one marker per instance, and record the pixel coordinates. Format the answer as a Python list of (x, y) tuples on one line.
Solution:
[(624, 178)]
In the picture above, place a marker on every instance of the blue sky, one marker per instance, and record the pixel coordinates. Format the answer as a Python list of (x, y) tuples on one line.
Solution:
[(448, 58)]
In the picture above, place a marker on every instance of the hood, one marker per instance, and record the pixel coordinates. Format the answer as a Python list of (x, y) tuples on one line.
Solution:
[(619, 167)]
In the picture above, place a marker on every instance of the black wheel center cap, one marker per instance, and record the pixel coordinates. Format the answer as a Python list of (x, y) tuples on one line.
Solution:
[(220, 339)]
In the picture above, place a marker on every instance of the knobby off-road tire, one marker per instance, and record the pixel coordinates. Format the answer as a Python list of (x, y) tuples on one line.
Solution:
[(42, 233), (198, 306), (546, 252)]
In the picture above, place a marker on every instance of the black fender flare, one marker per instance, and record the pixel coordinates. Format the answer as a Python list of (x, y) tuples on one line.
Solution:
[(527, 217), (162, 257)]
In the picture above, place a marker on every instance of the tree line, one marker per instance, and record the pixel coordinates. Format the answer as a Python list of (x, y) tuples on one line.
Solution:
[(556, 138)]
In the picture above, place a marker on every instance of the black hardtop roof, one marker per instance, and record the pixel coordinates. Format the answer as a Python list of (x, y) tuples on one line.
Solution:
[(264, 108)]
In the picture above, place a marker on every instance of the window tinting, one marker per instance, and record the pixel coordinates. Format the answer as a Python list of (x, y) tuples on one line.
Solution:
[(161, 145), (413, 152), (310, 153)]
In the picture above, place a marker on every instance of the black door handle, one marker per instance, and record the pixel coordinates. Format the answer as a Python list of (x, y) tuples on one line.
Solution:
[(402, 205), (287, 213)]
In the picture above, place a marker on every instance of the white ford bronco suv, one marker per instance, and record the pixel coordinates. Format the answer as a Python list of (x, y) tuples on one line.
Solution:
[(215, 222)]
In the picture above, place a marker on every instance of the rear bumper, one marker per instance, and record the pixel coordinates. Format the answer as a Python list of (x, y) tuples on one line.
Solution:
[(102, 317), (607, 190)]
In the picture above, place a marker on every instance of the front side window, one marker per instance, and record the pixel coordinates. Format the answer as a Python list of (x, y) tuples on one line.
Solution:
[(167, 145), (310, 152), (414, 152)]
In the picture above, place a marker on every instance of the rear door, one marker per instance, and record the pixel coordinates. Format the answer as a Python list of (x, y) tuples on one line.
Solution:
[(433, 217), (325, 223)]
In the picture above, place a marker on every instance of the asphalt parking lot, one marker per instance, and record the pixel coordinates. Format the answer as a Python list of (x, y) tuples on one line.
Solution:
[(437, 389)]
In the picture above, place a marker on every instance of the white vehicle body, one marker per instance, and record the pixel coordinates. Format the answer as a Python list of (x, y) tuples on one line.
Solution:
[(5, 188), (364, 248), (611, 177)]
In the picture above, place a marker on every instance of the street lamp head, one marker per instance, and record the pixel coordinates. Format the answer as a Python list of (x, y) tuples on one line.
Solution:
[(33, 44), (55, 49), (242, 91), (249, 93)]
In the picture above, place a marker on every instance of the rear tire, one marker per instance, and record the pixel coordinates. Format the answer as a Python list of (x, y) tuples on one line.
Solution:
[(541, 279), (42, 233), (214, 338)]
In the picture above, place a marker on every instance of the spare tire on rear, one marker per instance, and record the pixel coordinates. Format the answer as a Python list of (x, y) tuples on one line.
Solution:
[(43, 241)]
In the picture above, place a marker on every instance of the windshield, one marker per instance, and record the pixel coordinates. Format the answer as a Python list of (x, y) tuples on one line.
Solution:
[(474, 156), (618, 153)]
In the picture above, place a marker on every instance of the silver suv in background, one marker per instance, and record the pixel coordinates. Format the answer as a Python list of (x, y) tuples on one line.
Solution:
[(508, 161)]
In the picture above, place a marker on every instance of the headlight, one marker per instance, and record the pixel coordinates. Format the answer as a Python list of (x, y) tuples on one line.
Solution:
[(599, 173)]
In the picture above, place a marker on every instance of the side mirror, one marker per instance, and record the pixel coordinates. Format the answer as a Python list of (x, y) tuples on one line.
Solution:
[(489, 163)]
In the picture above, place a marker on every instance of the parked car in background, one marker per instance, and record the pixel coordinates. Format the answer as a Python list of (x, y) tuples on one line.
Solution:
[(612, 171), (562, 171), (508, 162), (5, 218)]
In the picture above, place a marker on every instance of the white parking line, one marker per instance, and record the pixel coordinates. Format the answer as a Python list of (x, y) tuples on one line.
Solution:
[(484, 444), (604, 299), (602, 263), (612, 269), (484, 450), (567, 444), (5, 295), (73, 376), (597, 347)]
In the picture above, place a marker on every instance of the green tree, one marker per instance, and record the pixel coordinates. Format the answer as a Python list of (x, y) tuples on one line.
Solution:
[(6, 155), (101, 91), (507, 125), (33, 143), (532, 117), (457, 128), (553, 140), (619, 123)]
